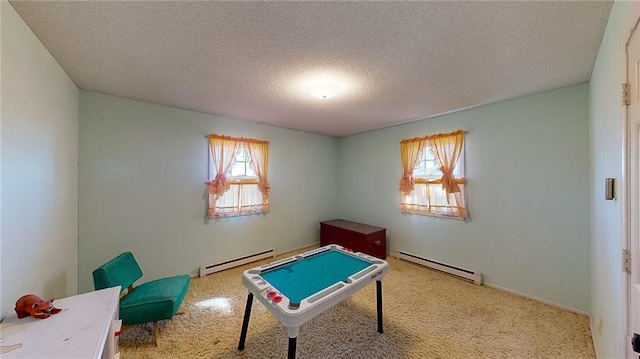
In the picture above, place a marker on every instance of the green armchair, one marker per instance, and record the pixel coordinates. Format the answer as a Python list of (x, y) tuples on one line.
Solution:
[(149, 302)]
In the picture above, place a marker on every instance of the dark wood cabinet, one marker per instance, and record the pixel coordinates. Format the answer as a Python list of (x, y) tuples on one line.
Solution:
[(358, 237)]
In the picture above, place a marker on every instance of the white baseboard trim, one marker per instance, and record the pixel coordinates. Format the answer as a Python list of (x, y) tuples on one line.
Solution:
[(236, 262), (462, 273), (290, 251), (593, 338), (538, 299)]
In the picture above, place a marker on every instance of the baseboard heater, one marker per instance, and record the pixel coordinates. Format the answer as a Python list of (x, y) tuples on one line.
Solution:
[(217, 267), (466, 274)]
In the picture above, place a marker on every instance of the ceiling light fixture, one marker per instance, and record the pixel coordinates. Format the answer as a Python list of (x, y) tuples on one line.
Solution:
[(324, 90), (324, 85)]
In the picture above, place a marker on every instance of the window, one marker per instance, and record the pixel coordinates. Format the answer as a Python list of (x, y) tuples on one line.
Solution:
[(433, 180), (242, 167), (428, 168), (238, 176)]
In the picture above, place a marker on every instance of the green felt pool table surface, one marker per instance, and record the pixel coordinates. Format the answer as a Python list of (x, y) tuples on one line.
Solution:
[(303, 278)]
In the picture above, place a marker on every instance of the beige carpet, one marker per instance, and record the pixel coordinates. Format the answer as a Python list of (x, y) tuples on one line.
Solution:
[(426, 315)]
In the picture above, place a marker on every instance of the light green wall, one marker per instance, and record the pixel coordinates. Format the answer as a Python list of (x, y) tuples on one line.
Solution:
[(142, 169), (39, 168), (606, 125), (142, 174), (527, 193)]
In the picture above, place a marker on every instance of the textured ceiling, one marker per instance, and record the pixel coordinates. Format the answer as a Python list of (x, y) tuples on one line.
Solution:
[(398, 61)]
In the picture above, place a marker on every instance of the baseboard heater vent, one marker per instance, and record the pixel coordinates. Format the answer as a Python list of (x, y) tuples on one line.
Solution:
[(217, 267), (469, 275)]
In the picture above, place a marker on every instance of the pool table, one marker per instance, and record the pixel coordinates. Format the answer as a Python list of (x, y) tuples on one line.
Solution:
[(298, 288)]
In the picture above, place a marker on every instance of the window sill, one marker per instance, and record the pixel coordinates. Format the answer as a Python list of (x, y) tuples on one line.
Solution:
[(217, 216), (445, 216)]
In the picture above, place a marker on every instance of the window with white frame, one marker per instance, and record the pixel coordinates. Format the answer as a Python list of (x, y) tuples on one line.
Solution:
[(238, 176), (433, 181)]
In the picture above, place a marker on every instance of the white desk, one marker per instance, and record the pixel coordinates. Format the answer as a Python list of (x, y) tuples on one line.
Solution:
[(84, 329)]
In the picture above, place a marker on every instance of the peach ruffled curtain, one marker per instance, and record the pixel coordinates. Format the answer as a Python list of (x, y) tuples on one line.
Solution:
[(259, 155), (410, 153), (223, 153), (446, 149)]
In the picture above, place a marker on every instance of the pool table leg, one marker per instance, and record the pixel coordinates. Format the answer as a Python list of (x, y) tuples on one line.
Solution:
[(379, 300), (292, 348), (245, 321)]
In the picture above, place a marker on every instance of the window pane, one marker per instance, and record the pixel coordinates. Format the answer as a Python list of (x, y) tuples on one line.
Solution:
[(430, 199), (240, 155), (230, 199), (242, 166), (250, 196), (430, 164), (240, 199), (420, 169), (250, 172), (427, 166), (457, 170), (238, 169)]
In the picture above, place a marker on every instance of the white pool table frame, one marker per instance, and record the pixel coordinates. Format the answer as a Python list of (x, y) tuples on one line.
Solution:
[(293, 317)]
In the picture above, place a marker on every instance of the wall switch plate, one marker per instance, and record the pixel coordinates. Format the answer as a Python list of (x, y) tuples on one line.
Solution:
[(609, 188)]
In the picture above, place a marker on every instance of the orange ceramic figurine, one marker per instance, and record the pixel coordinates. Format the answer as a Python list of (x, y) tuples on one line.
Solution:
[(32, 305)]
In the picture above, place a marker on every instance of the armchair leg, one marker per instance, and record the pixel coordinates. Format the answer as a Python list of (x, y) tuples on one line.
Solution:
[(156, 330), (183, 310)]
